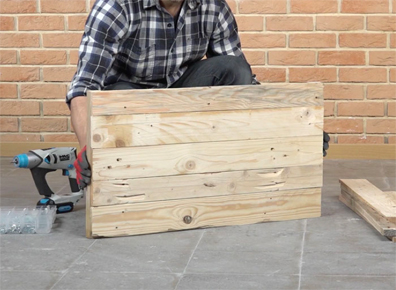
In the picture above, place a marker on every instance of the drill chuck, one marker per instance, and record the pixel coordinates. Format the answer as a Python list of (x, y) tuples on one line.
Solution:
[(26, 160)]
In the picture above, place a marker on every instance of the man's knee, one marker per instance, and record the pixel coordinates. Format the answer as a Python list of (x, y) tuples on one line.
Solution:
[(237, 69)]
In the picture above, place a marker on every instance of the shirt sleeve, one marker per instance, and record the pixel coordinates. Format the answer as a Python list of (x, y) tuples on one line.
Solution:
[(105, 27), (225, 39)]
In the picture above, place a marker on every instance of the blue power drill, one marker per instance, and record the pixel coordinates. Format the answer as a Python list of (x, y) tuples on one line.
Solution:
[(42, 161)]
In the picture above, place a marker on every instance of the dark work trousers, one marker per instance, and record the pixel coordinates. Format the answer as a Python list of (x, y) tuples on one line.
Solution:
[(222, 70)]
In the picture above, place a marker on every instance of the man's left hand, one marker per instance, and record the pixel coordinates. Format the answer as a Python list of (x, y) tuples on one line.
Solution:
[(326, 139)]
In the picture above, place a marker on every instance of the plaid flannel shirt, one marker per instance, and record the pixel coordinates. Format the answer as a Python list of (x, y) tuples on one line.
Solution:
[(137, 41)]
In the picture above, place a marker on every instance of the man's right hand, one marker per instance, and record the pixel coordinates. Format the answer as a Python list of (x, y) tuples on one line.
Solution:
[(83, 169)]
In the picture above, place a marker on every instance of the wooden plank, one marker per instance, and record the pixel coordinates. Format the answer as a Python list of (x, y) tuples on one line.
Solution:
[(124, 191), (205, 99), (172, 128), (384, 204), (161, 216), (383, 226), (192, 158), (362, 151)]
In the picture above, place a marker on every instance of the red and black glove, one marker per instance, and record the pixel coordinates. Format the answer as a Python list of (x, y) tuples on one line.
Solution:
[(83, 169), (326, 139)]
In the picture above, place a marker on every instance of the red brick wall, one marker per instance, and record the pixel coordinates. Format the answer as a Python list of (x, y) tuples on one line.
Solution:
[(349, 45)]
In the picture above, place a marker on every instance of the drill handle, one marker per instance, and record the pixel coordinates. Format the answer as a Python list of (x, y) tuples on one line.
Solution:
[(40, 181), (74, 185)]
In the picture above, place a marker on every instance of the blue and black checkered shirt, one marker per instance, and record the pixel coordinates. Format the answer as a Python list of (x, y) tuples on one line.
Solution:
[(137, 41)]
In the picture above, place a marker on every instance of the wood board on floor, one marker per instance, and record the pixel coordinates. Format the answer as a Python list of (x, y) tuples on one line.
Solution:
[(375, 206), (175, 159)]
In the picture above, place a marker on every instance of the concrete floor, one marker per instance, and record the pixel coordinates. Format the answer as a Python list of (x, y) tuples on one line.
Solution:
[(336, 251)]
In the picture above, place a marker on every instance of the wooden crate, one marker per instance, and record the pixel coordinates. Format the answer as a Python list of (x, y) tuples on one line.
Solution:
[(177, 159)]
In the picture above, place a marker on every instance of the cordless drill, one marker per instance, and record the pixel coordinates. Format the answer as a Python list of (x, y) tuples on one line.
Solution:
[(42, 161)]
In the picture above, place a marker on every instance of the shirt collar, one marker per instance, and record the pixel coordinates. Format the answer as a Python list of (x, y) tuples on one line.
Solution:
[(150, 3)]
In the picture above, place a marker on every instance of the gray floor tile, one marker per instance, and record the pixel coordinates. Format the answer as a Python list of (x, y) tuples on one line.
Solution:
[(348, 283), (161, 253), (253, 238), (76, 280), (340, 263), (237, 282), (23, 280), (258, 263)]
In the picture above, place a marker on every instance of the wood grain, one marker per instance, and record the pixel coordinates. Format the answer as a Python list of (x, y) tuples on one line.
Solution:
[(202, 99), (187, 127), (125, 191), (151, 217), (381, 202), (192, 158)]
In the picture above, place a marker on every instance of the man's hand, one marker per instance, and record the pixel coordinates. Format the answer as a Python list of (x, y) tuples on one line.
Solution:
[(83, 169), (326, 139)]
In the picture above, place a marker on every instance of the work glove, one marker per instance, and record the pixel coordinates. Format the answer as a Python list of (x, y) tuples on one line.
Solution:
[(83, 169), (326, 139)]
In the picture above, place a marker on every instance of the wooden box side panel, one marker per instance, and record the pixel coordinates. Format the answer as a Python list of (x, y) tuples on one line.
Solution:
[(152, 217)]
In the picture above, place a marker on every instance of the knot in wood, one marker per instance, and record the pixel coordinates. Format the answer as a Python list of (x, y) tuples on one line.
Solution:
[(96, 138), (187, 219), (190, 165)]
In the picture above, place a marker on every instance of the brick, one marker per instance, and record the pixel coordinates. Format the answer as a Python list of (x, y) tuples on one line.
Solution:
[(329, 108), (393, 40), (350, 125), (340, 23), (43, 91), (299, 57), (369, 75), (14, 40), (290, 23), (20, 137), (270, 75), (391, 109), (341, 57), (381, 92), (361, 109), (259, 40), (394, 6), (76, 22), (361, 139), (39, 22), (262, 6), (392, 75), (19, 108), (370, 40), (312, 40), (73, 56), (392, 140), (300, 75), (9, 124), (8, 91), (250, 23), (66, 137), (63, 6), (43, 124), (255, 57), (49, 57), (59, 40), (7, 23), (55, 108), (382, 57), (381, 23), (381, 126), (8, 56), (343, 92), (365, 6), (58, 74), (19, 6), (19, 74), (313, 6)]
